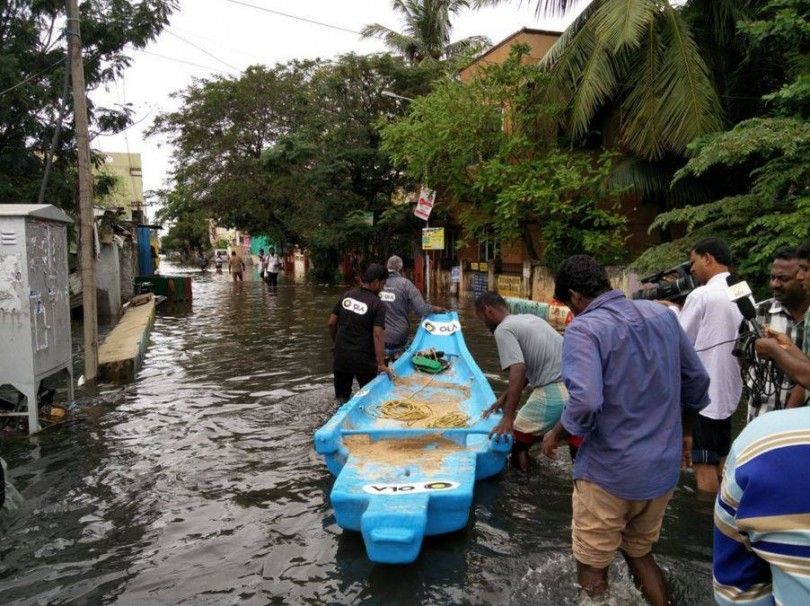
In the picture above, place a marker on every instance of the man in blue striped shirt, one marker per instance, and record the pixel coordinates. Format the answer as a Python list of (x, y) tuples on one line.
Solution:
[(762, 514)]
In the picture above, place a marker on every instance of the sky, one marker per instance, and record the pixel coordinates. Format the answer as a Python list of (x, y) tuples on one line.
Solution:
[(206, 38)]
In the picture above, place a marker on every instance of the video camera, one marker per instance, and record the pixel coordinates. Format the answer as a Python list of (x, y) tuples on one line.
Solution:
[(669, 284)]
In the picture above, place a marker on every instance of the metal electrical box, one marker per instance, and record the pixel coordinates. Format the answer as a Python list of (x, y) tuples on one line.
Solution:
[(35, 337)]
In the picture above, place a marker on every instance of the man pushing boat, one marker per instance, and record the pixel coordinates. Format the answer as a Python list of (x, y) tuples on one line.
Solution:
[(531, 350), (357, 328)]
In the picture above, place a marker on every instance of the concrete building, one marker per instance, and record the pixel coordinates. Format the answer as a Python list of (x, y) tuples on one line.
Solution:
[(538, 40), (127, 192)]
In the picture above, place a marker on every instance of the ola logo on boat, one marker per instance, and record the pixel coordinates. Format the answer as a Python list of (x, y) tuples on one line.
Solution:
[(442, 329), (400, 489)]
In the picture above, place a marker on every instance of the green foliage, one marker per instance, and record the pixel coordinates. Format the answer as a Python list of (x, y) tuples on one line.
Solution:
[(32, 72), (761, 161), (292, 151), (490, 148), (426, 31)]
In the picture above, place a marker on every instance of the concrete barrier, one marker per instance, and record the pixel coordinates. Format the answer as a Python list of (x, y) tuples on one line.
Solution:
[(121, 354)]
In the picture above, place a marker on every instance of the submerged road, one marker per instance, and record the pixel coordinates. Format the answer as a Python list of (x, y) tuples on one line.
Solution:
[(199, 485)]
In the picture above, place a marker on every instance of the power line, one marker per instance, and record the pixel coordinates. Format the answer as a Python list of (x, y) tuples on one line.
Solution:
[(31, 77), (167, 58), (297, 17), (200, 48)]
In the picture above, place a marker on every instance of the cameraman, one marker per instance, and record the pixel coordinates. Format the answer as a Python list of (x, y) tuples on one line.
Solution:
[(711, 320), (784, 313)]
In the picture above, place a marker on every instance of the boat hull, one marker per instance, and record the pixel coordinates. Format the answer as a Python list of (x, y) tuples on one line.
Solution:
[(397, 482)]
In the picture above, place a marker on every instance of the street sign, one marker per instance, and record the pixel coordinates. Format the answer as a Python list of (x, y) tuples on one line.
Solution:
[(425, 203), (433, 238)]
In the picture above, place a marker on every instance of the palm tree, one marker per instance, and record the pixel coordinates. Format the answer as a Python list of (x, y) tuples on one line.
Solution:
[(426, 32), (643, 58)]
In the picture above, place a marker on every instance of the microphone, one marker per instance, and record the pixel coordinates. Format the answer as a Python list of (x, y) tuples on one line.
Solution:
[(740, 293)]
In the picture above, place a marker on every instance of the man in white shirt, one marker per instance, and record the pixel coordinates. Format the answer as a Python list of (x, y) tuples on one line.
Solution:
[(712, 321)]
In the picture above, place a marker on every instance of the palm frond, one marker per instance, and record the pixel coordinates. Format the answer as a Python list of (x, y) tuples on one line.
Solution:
[(401, 43), (624, 23), (471, 44), (689, 104), (642, 104)]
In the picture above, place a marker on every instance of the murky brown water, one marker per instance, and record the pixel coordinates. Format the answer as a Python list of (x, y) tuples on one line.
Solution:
[(199, 485)]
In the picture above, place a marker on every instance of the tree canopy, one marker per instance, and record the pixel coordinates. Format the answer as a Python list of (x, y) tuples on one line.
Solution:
[(491, 147), (32, 78)]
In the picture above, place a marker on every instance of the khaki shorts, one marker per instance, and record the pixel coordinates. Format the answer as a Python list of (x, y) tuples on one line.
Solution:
[(604, 524)]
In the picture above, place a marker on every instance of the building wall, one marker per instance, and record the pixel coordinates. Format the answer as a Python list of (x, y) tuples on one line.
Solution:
[(539, 41), (128, 190)]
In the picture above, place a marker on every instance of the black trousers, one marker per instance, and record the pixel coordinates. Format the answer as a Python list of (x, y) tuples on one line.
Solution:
[(272, 279), (344, 380)]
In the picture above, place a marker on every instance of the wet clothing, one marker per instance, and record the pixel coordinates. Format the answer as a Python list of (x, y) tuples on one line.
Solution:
[(711, 440), (604, 523), (712, 321), (778, 318), (343, 382), (358, 312), (630, 371), (762, 514), (401, 297), (541, 412), (529, 340)]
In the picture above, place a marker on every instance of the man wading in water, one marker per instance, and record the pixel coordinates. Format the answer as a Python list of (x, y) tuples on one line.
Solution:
[(532, 353), (631, 374), (357, 328)]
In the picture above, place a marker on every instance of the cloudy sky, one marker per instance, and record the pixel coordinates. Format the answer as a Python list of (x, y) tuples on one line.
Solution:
[(209, 37)]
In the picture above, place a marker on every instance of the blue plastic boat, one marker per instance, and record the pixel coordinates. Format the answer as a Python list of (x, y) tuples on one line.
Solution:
[(398, 481)]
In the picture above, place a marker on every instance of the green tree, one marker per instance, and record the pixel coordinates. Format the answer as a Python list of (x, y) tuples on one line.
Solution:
[(490, 147), (764, 158), (293, 151), (32, 72), (219, 134), (426, 31)]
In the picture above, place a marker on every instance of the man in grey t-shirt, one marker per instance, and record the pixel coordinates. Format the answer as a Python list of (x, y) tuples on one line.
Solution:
[(531, 350), (401, 297)]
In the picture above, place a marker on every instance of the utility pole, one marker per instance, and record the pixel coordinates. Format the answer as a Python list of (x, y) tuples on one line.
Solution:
[(86, 239)]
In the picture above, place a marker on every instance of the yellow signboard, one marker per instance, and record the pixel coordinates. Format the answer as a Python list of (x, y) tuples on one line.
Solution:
[(433, 238)]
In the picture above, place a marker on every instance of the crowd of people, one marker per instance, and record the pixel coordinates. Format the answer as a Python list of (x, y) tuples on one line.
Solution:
[(639, 390)]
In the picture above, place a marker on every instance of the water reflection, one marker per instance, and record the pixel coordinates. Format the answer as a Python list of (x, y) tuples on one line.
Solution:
[(199, 484)]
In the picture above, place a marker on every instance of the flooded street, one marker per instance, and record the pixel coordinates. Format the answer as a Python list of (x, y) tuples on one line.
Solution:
[(199, 485)]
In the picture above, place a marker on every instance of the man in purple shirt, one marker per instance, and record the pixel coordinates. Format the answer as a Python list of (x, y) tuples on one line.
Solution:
[(632, 374)]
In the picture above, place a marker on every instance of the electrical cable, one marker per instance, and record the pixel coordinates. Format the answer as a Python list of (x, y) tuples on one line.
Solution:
[(747, 334), (168, 58), (31, 77), (296, 17), (201, 49)]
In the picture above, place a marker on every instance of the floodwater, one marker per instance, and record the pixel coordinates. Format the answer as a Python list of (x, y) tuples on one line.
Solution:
[(199, 485)]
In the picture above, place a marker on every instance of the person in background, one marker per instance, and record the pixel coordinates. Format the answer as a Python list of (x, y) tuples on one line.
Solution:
[(273, 267), (357, 327), (784, 313), (762, 514), (795, 362), (218, 262), (634, 383), (401, 297), (712, 321), (262, 264), (236, 266), (202, 261), (531, 351)]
